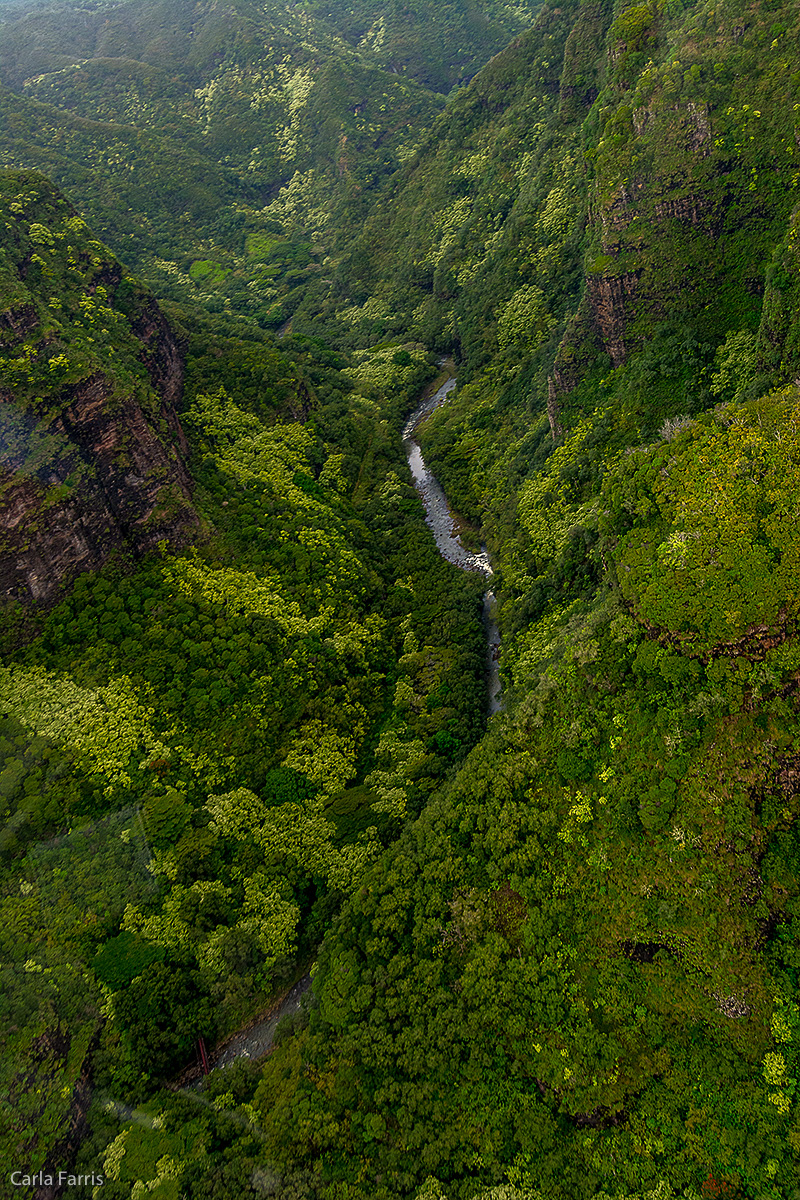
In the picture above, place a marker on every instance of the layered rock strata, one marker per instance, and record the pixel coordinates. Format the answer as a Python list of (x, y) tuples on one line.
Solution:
[(92, 453)]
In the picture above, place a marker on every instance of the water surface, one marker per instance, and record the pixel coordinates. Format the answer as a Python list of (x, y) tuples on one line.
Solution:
[(445, 531)]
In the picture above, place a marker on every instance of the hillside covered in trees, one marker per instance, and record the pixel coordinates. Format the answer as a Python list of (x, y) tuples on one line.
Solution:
[(555, 952)]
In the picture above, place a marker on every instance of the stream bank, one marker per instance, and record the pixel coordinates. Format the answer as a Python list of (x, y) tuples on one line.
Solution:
[(255, 1040), (444, 527)]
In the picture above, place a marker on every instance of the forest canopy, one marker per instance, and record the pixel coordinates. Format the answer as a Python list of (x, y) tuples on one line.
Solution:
[(552, 951)]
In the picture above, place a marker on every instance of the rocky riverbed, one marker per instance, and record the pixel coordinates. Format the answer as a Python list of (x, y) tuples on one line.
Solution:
[(443, 525)]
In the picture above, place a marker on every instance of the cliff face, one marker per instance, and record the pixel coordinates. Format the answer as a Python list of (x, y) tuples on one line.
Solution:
[(692, 170), (91, 447)]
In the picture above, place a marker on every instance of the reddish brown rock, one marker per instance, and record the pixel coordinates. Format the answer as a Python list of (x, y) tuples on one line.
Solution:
[(609, 296), (97, 478)]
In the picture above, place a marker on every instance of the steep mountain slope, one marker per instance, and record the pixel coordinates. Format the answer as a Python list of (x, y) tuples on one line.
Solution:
[(92, 456), (599, 228), (438, 45), (200, 748), (187, 132), (281, 132), (441, 45), (490, 205), (575, 975), (685, 182)]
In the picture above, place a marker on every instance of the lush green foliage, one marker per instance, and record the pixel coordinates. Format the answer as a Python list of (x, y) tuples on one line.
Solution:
[(70, 308), (440, 44), (191, 138), (559, 962), (196, 729)]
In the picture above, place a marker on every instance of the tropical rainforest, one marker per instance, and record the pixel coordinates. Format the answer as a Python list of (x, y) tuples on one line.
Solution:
[(244, 734)]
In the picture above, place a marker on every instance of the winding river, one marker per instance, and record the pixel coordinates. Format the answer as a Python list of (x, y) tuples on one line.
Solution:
[(255, 1040), (443, 525)]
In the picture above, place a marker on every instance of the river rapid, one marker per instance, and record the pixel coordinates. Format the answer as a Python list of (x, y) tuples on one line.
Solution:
[(442, 523)]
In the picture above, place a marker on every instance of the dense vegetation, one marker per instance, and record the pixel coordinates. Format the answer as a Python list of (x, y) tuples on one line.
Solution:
[(202, 752), (186, 134), (559, 958)]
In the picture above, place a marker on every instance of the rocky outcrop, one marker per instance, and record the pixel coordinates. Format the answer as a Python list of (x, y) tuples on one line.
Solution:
[(164, 364), (17, 322), (92, 453), (106, 480), (610, 295), (579, 349), (689, 210)]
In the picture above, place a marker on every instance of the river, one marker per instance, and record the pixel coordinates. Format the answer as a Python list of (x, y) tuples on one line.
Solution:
[(442, 523), (255, 1041)]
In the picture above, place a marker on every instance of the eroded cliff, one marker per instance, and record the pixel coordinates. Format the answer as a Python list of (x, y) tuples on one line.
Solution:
[(91, 446)]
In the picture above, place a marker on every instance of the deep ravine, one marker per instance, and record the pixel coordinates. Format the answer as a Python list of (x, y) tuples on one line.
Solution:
[(255, 1040)]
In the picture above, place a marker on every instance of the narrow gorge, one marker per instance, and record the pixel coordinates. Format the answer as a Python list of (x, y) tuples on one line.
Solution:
[(251, 604)]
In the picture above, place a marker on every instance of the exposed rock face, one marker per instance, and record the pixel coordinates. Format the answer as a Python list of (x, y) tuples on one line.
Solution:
[(690, 210), (677, 182), (164, 364), (581, 344), (609, 296), (110, 480), (97, 463)]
